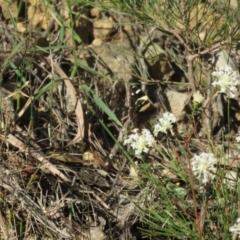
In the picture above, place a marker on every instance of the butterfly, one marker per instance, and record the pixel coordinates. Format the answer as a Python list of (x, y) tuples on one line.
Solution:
[(139, 102)]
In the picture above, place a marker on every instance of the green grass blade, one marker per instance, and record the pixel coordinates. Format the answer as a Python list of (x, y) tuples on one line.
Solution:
[(14, 51), (102, 105)]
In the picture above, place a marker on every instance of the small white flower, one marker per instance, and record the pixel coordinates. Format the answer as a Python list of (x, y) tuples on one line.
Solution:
[(198, 97), (238, 138), (227, 80), (149, 137), (140, 142), (203, 166), (164, 123), (236, 227)]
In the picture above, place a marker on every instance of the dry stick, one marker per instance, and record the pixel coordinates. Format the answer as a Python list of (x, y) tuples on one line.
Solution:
[(202, 218), (46, 165), (6, 31), (72, 96), (4, 226), (34, 152), (114, 151), (191, 74), (208, 107), (121, 135), (31, 205), (191, 57), (209, 50), (139, 49), (235, 236), (220, 110)]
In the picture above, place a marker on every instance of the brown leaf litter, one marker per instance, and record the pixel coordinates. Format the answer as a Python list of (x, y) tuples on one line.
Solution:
[(62, 175)]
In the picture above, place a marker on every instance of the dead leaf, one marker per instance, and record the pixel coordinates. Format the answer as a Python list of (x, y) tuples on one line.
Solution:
[(97, 42), (72, 101), (46, 165), (96, 233)]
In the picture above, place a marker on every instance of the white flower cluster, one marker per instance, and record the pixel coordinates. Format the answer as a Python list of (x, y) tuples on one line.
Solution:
[(203, 166), (164, 123), (227, 80), (236, 227), (238, 136), (140, 142), (198, 97)]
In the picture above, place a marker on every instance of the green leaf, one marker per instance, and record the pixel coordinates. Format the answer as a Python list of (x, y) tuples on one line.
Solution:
[(46, 88), (76, 37), (14, 51), (89, 69), (101, 104)]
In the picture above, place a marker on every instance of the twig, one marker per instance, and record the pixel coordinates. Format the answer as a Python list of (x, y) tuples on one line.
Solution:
[(73, 101), (220, 111), (140, 49), (3, 226), (208, 107), (191, 74), (121, 135), (28, 203), (46, 165), (115, 149), (190, 57)]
